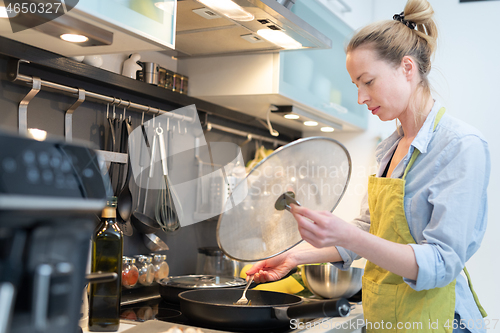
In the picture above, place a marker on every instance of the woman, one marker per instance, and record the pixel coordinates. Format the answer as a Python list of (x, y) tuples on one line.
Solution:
[(425, 212)]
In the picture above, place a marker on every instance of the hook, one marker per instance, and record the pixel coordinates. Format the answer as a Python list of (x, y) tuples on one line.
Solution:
[(68, 121), (142, 120), (124, 110), (23, 105), (107, 110), (249, 138), (179, 124)]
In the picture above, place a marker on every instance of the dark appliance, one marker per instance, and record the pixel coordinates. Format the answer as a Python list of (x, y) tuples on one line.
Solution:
[(50, 193)]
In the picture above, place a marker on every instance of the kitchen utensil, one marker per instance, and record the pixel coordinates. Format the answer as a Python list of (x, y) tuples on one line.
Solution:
[(243, 299), (315, 169), (269, 310), (213, 261), (141, 221), (154, 243), (327, 281), (171, 287), (165, 211), (124, 200)]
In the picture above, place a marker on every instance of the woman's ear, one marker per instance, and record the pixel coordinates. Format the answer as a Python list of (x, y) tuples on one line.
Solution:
[(409, 67)]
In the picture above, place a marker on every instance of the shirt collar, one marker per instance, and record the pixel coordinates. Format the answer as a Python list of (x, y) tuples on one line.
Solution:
[(424, 135), (420, 142)]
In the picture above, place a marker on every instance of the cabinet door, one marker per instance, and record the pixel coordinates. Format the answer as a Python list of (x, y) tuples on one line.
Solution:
[(319, 78), (153, 20), (355, 13)]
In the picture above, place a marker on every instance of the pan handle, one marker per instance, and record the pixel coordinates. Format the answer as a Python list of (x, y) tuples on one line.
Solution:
[(331, 308)]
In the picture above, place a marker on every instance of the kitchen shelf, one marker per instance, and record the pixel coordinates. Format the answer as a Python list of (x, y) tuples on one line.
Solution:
[(60, 68)]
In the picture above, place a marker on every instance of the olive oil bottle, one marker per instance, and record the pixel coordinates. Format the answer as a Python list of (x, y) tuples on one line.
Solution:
[(107, 251)]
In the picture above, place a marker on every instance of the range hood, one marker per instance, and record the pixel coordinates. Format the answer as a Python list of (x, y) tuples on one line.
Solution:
[(202, 29)]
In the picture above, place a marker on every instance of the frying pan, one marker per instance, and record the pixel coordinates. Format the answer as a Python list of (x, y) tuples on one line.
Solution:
[(269, 310)]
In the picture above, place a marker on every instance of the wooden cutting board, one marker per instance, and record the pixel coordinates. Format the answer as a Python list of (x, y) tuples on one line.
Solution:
[(156, 326)]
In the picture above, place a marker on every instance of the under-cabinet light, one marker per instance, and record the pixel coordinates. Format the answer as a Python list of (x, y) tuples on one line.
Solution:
[(5, 14), (310, 123), (291, 116), (74, 38), (229, 9), (37, 134), (279, 38), (327, 129)]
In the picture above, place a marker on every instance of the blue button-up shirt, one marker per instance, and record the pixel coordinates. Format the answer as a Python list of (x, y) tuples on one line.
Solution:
[(445, 204)]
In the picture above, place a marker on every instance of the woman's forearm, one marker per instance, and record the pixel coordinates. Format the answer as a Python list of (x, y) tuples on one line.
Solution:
[(305, 253), (396, 258)]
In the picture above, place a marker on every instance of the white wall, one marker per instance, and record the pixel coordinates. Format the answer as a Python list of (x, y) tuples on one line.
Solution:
[(466, 77)]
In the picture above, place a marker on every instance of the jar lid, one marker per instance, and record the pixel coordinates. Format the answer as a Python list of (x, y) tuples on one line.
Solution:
[(203, 281)]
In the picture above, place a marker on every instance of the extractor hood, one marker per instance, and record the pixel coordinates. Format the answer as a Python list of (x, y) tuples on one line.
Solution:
[(204, 29)]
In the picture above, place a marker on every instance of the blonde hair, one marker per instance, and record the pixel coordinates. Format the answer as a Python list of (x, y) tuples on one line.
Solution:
[(392, 40)]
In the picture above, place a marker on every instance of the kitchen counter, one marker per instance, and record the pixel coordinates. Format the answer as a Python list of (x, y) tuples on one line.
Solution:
[(352, 323)]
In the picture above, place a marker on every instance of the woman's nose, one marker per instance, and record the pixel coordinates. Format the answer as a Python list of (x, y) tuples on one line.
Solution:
[(362, 97)]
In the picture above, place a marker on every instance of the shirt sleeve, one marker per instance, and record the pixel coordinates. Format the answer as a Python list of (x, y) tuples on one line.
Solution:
[(362, 222), (457, 225)]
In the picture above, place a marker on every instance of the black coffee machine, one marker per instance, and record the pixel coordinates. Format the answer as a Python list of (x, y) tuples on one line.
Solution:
[(50, 193)]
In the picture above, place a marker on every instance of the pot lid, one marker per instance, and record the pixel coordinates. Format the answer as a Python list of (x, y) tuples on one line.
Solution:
[(202, 281), (314, 171)]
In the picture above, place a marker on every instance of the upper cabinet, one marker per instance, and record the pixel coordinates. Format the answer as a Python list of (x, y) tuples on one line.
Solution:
[(311, 84), (355, 13), (111, 26)]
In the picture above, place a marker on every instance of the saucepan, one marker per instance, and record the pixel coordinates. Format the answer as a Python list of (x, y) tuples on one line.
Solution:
[(172, 286), (215, 308)]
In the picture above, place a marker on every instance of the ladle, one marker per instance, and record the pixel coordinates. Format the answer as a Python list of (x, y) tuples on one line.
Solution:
[(124, 200)]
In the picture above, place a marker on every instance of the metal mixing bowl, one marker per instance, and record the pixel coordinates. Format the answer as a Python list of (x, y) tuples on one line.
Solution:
[(328, 281)]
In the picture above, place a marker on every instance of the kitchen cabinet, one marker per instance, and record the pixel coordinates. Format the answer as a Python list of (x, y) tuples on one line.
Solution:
[(314, 82), (134, 25), (355, 13)]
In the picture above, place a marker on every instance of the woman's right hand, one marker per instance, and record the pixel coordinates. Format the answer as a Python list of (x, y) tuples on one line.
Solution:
[(272, 269)]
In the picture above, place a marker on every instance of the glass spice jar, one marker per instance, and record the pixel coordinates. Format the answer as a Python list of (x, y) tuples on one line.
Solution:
[(184, 84), (146, 270), (169, 80), (130, 273), (177, 82), (161, 267), (162, 72)]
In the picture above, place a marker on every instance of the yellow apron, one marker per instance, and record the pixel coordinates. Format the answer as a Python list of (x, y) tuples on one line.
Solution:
[(390, 304)]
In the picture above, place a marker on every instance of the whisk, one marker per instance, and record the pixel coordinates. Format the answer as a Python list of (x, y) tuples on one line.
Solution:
[(165, 213)]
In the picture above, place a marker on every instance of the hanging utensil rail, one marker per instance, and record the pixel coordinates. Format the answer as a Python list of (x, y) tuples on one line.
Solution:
[(15, 76), (211, 126)]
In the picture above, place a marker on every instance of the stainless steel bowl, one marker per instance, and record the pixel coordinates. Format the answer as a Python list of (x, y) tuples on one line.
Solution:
[(328, 281)]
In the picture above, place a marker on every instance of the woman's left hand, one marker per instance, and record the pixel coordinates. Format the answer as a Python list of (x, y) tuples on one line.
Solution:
[(322, 228)]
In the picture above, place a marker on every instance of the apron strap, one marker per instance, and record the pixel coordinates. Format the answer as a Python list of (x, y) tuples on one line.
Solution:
[(476, 299), (416, 152)]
